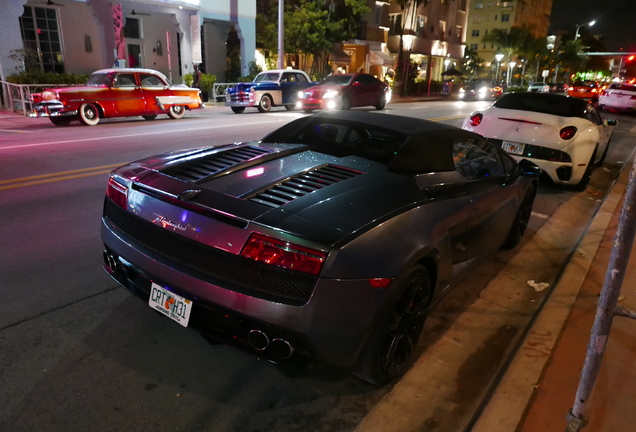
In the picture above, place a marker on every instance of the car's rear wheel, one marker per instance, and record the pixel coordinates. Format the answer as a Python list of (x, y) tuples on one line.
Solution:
[(587, 175), (238, 110), (346, 103), (89, 114), (150, 117), (390, 347), (381, 103), (265, 104), (60, 121), (176, 111), (290, 107), (521, 220)]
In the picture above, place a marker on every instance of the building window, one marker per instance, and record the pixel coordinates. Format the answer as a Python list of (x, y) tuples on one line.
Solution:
[(132, 28), (395, 23), (477, 19), (473, 47), (202, 67), (505, 17), (179, 53), (459, 31), (461, 5), (479, 5), (475, 33), (442, 29), (495, 17), (484, 46), (486, 31), (378, 14), (421, 23), (40, 35)]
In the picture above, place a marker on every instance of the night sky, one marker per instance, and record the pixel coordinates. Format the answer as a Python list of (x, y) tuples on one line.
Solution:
[(615, 20)]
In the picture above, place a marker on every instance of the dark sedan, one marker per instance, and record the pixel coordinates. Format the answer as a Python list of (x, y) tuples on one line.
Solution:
[(344, 91), (326, 242)]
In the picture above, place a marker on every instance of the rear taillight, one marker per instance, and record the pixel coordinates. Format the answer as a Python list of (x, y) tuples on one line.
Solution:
[(567, 132), (283, 254), (593, 90), (633, 97), (571, 88), (117, 192), (476, 119)]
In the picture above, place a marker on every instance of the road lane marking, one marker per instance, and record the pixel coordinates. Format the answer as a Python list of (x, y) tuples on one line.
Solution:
[(132, 135), (59, 174), (14, 131), (540, 215), (53, 179)]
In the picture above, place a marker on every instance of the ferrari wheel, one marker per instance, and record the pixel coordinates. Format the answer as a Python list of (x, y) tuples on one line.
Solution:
[(60, 121), (521, 220), (88, 114), (381, 103), (238, 110), (150, 117), (265, 104), (390, 347), (176, 111), (587, 175)]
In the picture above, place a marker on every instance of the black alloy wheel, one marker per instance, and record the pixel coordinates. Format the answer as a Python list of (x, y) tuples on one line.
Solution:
[(60, 121), (587, 175), (238, 110), (390, 348), (265, 104), (521, 220)]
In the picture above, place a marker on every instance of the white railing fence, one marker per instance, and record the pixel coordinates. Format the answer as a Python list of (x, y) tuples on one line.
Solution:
[(219, 91), (17, 97)]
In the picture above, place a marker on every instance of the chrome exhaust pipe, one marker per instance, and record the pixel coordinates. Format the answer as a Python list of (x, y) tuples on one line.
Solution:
[(257, 340), (281, 348), (110, 261)]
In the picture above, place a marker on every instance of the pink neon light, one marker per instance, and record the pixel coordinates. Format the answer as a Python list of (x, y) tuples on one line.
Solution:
[(255, 172)]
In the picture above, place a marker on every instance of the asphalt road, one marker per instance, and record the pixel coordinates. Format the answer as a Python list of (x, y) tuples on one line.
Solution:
[(79, 353)]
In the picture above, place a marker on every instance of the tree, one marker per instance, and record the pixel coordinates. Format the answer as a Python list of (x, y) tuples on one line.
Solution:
[(569, 57), (472, 63), (409, 14)]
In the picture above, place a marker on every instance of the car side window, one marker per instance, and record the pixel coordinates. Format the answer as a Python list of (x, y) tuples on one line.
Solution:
[(125, 80), (475, 159), (148, 80), (367, 79), (301, 78), (288, 77)]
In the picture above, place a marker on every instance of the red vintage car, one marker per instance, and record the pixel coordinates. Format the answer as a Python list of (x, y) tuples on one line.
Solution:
[(344, 91), (116, 93)]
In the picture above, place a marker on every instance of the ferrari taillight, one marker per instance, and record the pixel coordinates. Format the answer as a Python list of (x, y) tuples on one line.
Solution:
[(117, 192), (283, 254), (476, 119), (567, 132)]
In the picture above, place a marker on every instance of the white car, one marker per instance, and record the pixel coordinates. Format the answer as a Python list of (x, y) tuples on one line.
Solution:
[(618, 96), (564, 136), (539, 87)]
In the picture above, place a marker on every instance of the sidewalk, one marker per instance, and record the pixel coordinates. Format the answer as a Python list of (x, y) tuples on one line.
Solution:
[(539, 387)]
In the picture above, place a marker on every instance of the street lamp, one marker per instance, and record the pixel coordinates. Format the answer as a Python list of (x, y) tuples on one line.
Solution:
[(446, 63), (499, 57), (578, 26), (511, 66)]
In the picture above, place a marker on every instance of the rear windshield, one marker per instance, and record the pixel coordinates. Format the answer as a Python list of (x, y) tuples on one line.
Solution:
[(339, 139), (590, 84), (543, 103), (626, 87)]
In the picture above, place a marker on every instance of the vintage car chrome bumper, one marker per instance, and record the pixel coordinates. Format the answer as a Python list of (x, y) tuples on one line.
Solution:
[(240, 104), (51, 109)]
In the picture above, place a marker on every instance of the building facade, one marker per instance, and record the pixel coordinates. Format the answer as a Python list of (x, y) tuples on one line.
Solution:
[(486, 15), (81, 36)]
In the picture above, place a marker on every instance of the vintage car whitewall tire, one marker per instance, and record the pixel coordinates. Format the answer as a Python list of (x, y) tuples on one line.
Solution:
[(150, 117), (89, 114), (176, 111), (265, 104)]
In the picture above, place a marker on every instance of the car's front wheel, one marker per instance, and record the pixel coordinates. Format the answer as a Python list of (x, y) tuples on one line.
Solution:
[(89, 114), (390, 347), (308, 110), (346, 103), (265, 104), (290, 107), (60, 121), (521, 220), (381, 103), (176, 111), (238, 110), (150, 117)]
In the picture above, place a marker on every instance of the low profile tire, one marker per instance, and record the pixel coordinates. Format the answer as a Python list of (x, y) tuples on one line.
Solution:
[(289, 107), (238, 110), (60, 121), (346, 103), (587, 175), (381, 103), (176, 112), (308, 110), (521, 220), (604, 155), (265, 104), (150, 117), (389, 350), (89, 114)]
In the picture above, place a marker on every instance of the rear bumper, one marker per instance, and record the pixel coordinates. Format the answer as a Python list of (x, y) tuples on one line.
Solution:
[(616, 103), (325, 330), (560, 172), (51, 109)]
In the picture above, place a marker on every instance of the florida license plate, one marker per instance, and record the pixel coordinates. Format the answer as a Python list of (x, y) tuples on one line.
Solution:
[(169, 304), (513, 147)]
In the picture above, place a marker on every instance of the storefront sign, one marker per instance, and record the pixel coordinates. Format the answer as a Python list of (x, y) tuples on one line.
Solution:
[(195, 35)]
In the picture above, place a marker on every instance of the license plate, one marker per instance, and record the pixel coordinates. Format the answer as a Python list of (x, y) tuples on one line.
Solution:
[(513, 147), (171, 305)]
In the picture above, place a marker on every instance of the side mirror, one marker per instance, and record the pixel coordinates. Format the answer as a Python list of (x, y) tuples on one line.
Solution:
[(611, 122), (528, 168)]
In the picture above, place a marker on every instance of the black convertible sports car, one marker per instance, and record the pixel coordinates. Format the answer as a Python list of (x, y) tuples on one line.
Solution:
[(324, 243)]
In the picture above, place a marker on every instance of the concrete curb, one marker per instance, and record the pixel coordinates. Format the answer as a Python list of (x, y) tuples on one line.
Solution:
[(505, 410)]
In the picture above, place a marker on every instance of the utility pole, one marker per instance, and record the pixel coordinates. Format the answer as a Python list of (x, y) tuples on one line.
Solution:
[(281, 34)]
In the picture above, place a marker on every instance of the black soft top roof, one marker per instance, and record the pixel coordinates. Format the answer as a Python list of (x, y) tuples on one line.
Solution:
[(423, 145)]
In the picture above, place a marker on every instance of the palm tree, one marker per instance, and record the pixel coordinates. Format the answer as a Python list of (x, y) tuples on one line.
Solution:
[(569, 56), (409, 11)]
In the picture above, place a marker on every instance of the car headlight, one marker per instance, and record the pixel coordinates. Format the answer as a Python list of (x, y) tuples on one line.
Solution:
[(483, 90), (301, 95), (461, 90), (331, 94)]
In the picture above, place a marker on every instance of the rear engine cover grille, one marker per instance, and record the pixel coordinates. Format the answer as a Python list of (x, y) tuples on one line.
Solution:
[(245, 275), (300, 185), (199, 169)]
